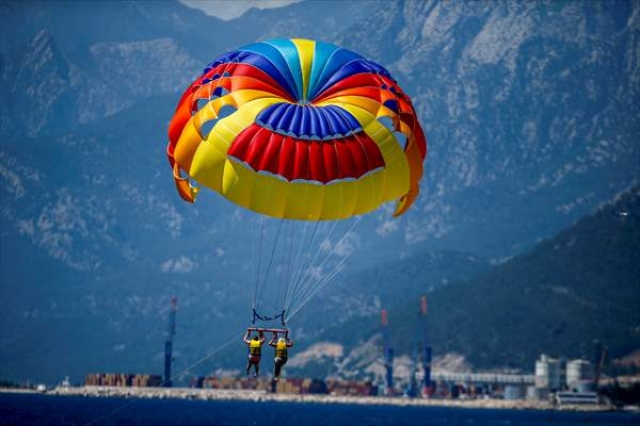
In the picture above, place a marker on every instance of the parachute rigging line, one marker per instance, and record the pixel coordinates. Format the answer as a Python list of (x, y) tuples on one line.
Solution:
[(310, 288), (273, 251), (305, 254), (303, 271), (259, 259)]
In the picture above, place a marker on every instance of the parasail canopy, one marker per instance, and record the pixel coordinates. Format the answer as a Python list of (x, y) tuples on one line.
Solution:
[(298, 129)]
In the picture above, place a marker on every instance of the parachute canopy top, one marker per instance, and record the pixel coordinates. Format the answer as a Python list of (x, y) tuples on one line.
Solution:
[(298, 129)]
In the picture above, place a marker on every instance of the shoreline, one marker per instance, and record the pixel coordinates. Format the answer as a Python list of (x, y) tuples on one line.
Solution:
[(262, 396)]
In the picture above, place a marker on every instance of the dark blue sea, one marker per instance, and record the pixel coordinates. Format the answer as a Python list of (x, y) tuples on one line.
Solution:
[(45, 410)]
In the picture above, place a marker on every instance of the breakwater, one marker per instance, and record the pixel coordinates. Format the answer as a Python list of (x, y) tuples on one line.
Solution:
[(262, 396)]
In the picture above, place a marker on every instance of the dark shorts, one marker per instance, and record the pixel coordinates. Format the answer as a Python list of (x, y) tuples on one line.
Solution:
[(280, 361), (254, 359)]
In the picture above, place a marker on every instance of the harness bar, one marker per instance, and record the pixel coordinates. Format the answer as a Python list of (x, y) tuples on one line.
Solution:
[(269, 330)]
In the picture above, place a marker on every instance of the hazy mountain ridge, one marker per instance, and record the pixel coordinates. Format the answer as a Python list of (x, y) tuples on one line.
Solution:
[(528, 108)]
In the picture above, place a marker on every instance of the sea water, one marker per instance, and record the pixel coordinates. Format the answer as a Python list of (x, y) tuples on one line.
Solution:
[(33, 409)]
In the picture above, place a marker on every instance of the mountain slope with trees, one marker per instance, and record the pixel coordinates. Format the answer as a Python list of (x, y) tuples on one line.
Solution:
[(579, 287)]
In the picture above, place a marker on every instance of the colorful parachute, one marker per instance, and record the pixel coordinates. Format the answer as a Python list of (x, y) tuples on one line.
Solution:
[(296, 129)]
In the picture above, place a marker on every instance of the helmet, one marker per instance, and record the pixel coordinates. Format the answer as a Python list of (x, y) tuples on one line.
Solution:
[(281, 340)]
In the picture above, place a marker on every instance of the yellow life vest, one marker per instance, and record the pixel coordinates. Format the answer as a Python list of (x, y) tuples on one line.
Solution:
[(281, 349), (254, 347)]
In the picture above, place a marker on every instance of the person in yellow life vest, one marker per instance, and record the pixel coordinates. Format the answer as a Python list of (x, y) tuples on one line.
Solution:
[(255, 351), (281, 346)]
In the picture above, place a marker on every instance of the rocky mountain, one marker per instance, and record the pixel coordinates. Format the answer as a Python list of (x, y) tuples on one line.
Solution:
[(529, 109)]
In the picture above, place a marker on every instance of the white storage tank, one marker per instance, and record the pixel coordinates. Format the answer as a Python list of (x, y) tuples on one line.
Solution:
[(578, 371), (548, 373)]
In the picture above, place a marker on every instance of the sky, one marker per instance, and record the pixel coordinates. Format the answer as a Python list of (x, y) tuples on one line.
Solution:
[(229, 9)]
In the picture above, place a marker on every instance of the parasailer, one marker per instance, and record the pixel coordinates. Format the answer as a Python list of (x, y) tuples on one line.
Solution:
[(299, 131), (281, 346), (255, 351)]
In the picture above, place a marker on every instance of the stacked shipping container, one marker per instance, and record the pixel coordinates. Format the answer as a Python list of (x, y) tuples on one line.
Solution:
[(123, 380)]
